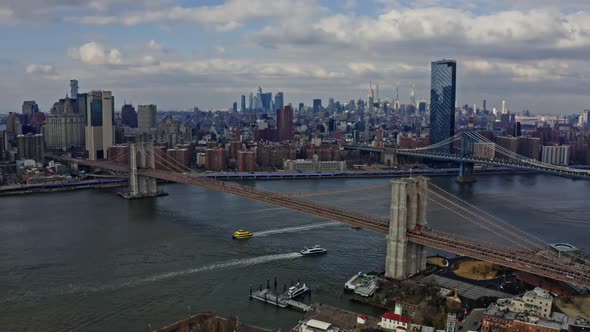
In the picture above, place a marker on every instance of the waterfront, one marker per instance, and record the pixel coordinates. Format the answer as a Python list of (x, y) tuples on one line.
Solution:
[(107, 263)]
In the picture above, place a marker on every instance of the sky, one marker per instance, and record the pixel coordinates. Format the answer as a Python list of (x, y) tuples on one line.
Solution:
[(177, 54)]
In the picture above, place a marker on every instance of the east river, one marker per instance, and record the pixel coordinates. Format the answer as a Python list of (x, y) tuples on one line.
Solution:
[(92, 261)]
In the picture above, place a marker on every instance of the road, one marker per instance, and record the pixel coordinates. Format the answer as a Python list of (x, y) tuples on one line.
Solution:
[(472, 322)]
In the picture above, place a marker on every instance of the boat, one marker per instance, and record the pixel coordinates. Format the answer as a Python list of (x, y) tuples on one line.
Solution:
[(295, 291), (316, 250), (241, 234)]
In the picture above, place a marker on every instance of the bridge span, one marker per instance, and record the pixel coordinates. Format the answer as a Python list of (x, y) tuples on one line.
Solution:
[(406, 229)]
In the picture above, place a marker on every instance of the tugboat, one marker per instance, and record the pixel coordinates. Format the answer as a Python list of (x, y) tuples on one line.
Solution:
[(316, 250), (295, 291), (241, 234)]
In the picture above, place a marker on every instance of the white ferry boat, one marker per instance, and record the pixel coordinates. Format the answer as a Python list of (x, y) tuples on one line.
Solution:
[(316, 250), (298, 289)]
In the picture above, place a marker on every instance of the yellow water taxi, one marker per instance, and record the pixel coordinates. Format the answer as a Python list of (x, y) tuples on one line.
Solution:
[(241, 234)]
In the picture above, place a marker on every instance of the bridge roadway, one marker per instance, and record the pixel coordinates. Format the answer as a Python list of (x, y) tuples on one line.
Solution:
[(524, 261), (556, 170)]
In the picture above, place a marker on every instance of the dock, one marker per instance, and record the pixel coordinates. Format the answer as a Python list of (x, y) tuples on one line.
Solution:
[(267, 296)]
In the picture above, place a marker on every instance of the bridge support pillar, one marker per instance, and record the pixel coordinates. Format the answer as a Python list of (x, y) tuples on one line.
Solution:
[(141, 156), (466, 173), (408, 209)]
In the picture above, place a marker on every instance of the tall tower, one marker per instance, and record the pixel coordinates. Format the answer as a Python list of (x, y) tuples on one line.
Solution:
[(73, 89), (504, 110), (396, 104), (285, 123), (378, 99), (146, 119), (279, 101), (413, 95), (243, 104), (442, 101), (99, 124)]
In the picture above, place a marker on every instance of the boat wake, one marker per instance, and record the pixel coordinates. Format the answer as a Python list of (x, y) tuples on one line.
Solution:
[(216, 266), (296, 229), (75, 289)]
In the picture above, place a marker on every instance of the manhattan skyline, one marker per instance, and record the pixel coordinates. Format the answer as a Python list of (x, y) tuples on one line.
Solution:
[(178, 54)]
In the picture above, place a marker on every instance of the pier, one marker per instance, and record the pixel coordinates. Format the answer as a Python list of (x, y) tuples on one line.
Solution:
[(265, 295)]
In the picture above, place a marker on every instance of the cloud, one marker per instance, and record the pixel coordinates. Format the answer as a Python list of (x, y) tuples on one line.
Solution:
[(43, 69), (96, 54), (225, 17), (438, 31), (153, 45)]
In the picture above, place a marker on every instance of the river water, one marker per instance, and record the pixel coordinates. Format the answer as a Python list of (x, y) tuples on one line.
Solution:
[(91, 261)]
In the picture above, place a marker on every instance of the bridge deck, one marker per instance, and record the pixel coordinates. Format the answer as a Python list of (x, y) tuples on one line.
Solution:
[(524, 261)]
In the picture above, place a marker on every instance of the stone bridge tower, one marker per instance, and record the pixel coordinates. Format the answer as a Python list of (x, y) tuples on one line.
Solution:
[(141, 156), (408, 209)]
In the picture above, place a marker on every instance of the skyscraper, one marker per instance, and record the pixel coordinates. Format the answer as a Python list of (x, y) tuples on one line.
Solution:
[(234, 107), (285, 123), (29, 109), (243, 104), (73, 89), (279, 101), (442, 101), (413, 95), (31, 146), (129, 116), (146, 119), (250, 102), (64, 126), (100, 111), (504, 110), (317, 105)]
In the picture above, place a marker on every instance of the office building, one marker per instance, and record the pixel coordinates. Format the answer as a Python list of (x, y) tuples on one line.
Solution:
[(73, 89), (556, 155), (29, 109), (243, 104), (129, 116), (442, 102), (147, 119), (64, 131), (234, 107), (300, 108), (100, 111), (279, 101), (31, 146), (285, 123), (266, 102), (317, 105)]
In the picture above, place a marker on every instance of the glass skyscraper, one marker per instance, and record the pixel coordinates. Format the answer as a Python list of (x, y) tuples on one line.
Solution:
[(442, 102)]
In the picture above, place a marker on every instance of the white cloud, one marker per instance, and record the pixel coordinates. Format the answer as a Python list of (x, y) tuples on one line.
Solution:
[(225, 17), (43, 69), (96, 54), (153, 45)]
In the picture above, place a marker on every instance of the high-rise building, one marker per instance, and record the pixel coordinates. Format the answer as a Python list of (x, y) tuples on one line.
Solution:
[(504, 110), (317, 105), (484, 105), (250, 102), (556, 155), (422, 105), (64, 126), (73, 89), (31, 146), (266, 102), (442, 101), (147, 119), (243, 104), (285, 123), (246, 161), (13, 126), (100, 114), (129, 116), (215, 159), (29, 108), (529, 147), (413, 95), (279, 101), (234, 107), (300, 108)]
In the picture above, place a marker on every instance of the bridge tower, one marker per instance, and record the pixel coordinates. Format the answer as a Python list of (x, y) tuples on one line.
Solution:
[(141, 156), (466, 168), (408, 210)]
